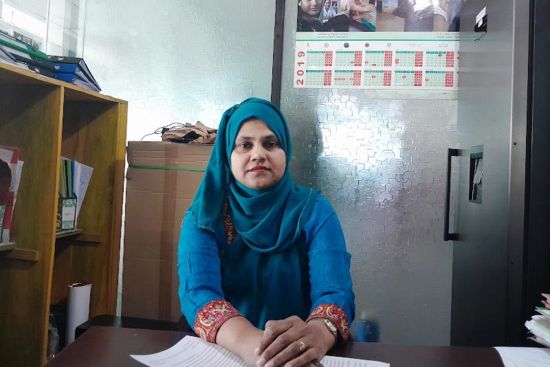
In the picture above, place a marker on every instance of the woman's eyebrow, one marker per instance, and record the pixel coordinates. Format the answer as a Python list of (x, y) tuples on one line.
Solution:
[(265, 137), (269, 136), (243, 138)]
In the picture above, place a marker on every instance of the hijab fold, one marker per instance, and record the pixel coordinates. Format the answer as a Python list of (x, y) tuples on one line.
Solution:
[(268, 220)]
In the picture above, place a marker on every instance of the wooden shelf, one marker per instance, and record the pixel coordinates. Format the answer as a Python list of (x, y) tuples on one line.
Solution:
[(48, 119), (77, 235), (11, 252), (7, 246), (10, 74), (68, 234)]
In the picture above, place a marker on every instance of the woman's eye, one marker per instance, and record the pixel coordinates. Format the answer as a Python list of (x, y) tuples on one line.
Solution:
[(244, 146), (271, 145)]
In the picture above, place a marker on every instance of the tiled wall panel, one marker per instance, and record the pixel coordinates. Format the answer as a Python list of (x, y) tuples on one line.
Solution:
[(381, 162)]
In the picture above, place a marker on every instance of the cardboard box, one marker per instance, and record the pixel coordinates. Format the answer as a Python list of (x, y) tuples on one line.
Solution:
[(162, 179)]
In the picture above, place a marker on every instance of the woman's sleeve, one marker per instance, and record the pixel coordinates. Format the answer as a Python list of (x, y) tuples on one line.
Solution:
[(332, 296), (200, 291)]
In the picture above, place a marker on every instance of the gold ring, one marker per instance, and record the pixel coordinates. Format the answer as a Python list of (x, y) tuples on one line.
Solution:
[(302, 345)]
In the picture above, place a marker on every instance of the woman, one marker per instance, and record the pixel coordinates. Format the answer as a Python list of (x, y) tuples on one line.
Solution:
[(258, 252), (309, 12), (353, 16), (327, 12)]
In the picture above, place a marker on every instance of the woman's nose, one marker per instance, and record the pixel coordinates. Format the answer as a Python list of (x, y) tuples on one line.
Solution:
[(258, 153)]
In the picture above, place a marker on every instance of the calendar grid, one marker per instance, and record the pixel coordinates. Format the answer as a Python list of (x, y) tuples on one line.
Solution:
[(348, 58), (377, 65)]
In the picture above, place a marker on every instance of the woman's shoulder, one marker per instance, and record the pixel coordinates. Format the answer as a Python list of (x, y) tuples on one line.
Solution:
[(320, 215), (315, 195), (191, 229), (322, 205), (321, 208)]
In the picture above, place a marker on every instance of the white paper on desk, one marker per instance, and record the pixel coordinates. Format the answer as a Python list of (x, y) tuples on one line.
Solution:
[(192, 351), (330, 361), (524, 357)]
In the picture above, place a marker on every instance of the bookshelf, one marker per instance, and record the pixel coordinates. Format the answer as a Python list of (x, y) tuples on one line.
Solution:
[(48, 119)]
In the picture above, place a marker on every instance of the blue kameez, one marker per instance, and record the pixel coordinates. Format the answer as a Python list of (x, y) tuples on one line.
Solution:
[(267, 286)]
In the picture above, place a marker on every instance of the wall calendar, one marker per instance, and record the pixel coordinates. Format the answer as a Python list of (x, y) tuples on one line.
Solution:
[(392, 61)]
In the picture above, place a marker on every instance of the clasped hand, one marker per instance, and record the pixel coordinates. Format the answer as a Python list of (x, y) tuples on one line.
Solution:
[(292, 343)]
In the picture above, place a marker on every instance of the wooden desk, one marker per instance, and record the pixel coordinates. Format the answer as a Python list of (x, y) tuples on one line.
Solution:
[(110, 346)]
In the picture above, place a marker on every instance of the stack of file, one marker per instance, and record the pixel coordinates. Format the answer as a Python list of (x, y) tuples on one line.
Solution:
[(69, 69), (539, 325), (74, 70), (10, 176), (74, 178)]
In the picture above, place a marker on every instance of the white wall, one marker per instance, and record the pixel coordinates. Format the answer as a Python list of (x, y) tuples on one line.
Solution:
[(176, 60), (179, 60)]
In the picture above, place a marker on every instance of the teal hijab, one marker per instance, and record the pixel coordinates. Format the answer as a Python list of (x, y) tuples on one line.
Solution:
[(268, 220)]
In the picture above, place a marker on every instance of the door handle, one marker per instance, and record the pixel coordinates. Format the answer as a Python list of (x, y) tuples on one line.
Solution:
[(446, 235)]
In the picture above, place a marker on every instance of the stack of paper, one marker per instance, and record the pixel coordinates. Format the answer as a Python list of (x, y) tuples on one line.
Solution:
[(10, 175), (192, 351), (7, 58), (17, 52), (539, 325)]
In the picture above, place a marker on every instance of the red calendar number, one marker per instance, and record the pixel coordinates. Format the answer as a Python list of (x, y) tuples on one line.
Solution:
[(300, 65)]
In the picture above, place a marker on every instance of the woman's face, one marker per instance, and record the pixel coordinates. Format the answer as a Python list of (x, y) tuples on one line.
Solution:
[(311, 7), (257, 160), (360, 6)]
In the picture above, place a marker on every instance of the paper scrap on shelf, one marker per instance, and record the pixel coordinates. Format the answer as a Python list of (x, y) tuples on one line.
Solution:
[(82, 176), (524, 357), (193, 351), (18, 171)]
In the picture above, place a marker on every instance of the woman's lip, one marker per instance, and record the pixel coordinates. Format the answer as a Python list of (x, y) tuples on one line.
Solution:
[(256, 169)]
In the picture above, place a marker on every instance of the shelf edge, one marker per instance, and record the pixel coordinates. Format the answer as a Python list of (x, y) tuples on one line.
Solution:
[(19, 254)]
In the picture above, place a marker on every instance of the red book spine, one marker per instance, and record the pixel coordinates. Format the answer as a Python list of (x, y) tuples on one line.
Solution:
[(10, 198)]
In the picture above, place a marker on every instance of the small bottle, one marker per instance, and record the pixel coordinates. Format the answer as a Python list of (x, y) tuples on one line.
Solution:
[(53, 338), (371, 331), (366, 329)]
